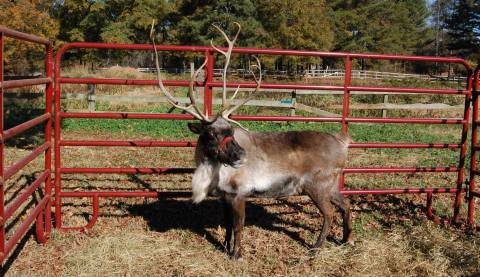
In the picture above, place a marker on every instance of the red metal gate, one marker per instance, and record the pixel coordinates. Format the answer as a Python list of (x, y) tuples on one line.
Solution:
[(209, 83), (42, 211)]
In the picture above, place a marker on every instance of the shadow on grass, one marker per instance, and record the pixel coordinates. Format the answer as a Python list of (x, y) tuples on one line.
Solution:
[(179, 213), (387, 211), (390, 210), (16, 114), (171, 211), (7, 264), (20, 245), (168, 214)]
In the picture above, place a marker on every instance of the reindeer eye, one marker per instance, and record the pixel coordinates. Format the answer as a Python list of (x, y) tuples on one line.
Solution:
[(227, 133), (211, 134)]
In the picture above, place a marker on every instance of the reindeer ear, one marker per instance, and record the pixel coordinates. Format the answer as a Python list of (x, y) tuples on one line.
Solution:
[(195, 127)]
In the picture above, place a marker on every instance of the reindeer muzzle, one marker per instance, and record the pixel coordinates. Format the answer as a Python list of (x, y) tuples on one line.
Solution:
[(224, 142), (230, 152)]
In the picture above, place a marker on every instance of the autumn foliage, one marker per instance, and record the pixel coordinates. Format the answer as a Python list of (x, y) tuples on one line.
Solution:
[(28, 16), (440, 27)]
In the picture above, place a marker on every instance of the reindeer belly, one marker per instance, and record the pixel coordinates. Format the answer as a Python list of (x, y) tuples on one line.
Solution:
[(263, 181), (270, 185), (277, 186)]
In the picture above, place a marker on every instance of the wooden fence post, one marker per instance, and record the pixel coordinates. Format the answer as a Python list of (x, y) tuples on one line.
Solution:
[(294, 103), (90, 97), (385, 102)]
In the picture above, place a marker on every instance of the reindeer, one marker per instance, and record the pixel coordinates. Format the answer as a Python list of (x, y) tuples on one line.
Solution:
[(241, 164)]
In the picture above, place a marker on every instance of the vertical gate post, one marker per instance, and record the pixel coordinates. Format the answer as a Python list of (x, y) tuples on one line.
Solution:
[(208, 91), (43, 233), (56, 131), (463, 151), (346, 93), (429, 208), (346, 104), (474, 148), (2, 182)]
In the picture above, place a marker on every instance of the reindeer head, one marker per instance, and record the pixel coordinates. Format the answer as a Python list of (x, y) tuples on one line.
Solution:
[(218, 142), (216, 134)]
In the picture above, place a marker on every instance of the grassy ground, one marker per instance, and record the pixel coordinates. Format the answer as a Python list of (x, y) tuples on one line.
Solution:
[(172, 237), (152, 237)]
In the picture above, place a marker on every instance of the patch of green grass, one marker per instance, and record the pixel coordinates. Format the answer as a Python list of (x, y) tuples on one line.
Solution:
[(359, 132), (132, 127), (405, 133), (364, 225)]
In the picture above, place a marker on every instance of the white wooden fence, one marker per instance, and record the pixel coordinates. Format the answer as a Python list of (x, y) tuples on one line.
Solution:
[(290, 103), (325, 73)]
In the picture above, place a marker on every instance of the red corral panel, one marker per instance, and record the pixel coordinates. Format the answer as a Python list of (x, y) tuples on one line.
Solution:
[(41, 212), (209, 83)]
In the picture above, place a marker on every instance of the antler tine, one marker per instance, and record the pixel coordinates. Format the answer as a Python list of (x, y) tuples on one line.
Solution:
[(238, 31), (258, 81), (230, 42), (237, 123), (191, 109), (227, 55), (216, 48), (193, 77)]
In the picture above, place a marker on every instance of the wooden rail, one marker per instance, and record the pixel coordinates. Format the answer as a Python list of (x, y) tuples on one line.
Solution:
[(290, 103), (322, 73)]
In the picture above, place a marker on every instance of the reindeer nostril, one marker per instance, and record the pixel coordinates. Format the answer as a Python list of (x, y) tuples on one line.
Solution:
[(224, 142)]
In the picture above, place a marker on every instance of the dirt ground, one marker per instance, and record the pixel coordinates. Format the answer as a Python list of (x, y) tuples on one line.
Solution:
[(173, 237)]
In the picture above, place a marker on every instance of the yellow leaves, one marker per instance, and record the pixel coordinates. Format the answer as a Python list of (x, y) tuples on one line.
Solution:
[(29, 16), (32, 17)]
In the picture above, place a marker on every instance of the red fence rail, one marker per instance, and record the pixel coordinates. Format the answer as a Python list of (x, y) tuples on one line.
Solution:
[(209, 84), (41, 213)]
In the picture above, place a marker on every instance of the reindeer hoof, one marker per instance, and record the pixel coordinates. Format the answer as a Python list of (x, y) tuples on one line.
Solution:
[(312, 251), (226, 248), (237, 256), (350, 242)]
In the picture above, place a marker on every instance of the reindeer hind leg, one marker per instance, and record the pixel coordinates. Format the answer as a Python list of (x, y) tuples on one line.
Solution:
[(344, 205), (325, 206), (238, 223)]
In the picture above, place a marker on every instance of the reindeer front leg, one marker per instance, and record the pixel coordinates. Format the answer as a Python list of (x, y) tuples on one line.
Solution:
[(238, 207), (228, 219)]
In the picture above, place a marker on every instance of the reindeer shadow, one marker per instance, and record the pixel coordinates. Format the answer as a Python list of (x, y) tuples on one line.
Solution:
[(169, 214), (180, 213)]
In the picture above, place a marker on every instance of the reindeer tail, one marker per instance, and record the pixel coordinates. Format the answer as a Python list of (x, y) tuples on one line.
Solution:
[(344, 137)]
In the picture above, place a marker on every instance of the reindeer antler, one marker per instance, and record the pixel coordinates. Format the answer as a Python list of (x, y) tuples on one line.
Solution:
[(192, 108), (227, 55), (258, 80)]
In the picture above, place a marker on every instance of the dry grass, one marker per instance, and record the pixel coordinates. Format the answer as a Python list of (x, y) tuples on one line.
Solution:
[(114, 72), (175, 239), (172, 237)]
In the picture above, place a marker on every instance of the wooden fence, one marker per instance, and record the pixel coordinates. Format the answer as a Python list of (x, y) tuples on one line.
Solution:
[(379, 75), (324, 73), (289, 103)]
